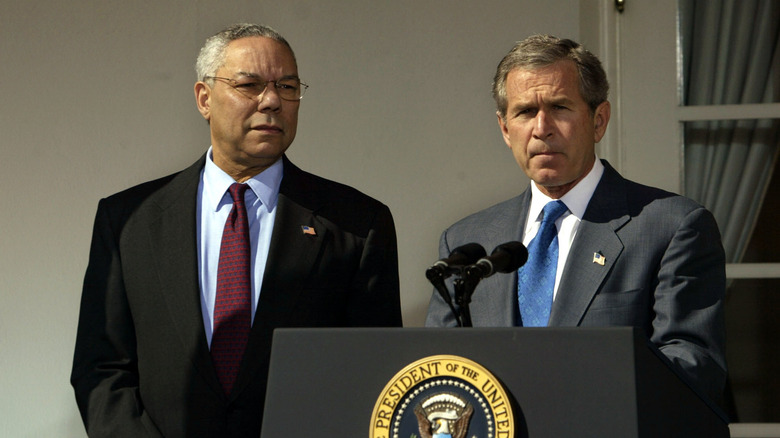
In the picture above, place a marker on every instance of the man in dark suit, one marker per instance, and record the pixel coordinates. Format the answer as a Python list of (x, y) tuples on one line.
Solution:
[(627, 254), (320, 254)]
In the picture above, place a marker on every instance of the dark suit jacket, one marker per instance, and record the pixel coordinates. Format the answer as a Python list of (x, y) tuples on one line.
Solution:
[(664, 272), (142, 366)]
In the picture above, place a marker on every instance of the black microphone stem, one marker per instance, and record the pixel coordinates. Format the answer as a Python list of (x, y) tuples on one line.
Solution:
[(464, 289), (437, 280)]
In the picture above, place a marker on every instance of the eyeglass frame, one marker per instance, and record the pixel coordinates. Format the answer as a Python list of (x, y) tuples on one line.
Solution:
[(233, 83)]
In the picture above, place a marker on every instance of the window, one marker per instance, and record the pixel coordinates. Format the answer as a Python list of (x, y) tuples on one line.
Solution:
[(729, 53)]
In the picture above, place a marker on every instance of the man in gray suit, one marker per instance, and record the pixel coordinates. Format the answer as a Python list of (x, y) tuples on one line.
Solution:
[(627, 254)]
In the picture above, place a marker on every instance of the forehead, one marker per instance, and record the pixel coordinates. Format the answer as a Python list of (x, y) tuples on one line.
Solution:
[(259, 55), (558, 79)]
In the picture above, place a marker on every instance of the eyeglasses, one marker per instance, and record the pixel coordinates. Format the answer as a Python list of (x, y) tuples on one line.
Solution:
[(288, 89)]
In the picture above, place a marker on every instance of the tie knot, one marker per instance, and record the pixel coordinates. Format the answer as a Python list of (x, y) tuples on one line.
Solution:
[(553, 210), (237, 190)]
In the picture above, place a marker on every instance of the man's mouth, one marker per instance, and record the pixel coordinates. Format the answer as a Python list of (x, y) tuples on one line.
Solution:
[(268, 128)]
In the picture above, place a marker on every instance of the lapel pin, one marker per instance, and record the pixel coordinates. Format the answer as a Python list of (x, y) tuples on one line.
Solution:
[(599, 258), (308, 230)]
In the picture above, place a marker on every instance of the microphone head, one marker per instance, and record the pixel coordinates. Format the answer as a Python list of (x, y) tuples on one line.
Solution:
[(461, 256), (509, 256), (467, 254)]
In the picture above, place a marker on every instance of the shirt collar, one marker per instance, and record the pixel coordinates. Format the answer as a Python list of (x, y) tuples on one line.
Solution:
[(264, 186), (576, 199)]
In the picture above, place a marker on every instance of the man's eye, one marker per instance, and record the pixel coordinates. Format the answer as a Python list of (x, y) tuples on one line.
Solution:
[(287, 86), (247, 85)]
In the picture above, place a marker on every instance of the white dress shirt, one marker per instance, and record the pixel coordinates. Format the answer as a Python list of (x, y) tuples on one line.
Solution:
[(576, 201)]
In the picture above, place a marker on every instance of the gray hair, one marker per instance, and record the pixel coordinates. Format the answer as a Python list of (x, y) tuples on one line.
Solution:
[(212, 54), (543, 50)]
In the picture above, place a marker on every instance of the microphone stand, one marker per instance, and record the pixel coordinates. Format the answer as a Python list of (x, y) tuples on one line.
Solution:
[(464, 289), (436, 277), (465, 282)]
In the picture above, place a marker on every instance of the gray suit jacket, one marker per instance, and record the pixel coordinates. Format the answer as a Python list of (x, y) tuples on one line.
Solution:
[(142, 366), (664, 272)]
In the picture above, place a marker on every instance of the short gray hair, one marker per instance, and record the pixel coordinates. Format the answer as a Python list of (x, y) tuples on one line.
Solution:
[(212, 54), (543, 50)]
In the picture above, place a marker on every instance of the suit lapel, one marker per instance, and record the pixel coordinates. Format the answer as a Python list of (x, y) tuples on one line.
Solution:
[(291, 256), (596, 242), (174, 253)]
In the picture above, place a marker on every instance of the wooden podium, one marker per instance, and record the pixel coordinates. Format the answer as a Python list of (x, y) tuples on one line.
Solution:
[(564, 382)]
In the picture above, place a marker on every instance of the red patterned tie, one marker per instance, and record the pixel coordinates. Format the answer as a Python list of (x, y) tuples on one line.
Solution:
[(232, 310)]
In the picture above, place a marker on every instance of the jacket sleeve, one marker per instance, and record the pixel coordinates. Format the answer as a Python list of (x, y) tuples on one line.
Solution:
[(689, 324), (105, 367)]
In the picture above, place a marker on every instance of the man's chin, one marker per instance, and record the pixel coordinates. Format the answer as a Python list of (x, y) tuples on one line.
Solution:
[(548, 177), (265, 150)]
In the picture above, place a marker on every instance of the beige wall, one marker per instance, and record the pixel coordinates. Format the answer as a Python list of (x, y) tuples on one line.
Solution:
[(97, 96)]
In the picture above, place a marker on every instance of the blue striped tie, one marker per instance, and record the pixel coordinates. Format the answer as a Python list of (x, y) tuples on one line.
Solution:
[(536, 279)]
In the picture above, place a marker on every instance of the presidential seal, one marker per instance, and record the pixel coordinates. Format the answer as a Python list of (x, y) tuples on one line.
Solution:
[(443, 397)]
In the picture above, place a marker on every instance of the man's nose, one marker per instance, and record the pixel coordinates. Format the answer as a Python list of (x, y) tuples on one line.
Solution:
[(542, 125), (269, 99)]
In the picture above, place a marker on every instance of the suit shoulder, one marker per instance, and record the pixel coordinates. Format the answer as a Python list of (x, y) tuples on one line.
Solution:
[(131, 198), (653, 198), (342, 192), (660, 210), (614, 190), (312, 188), (142, 190), (500, 213), (186, 179), (342, 205), (155, 195)]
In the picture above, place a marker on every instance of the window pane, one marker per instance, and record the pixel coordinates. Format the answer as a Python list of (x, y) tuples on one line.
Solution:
[(764, 246), (730, 168), (752, 352), (730, 52)]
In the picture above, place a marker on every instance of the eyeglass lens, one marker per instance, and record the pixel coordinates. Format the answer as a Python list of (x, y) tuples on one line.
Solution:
[(288, 89)]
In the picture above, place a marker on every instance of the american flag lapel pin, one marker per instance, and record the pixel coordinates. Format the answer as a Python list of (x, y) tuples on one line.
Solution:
[(308, 230), (599, 258)]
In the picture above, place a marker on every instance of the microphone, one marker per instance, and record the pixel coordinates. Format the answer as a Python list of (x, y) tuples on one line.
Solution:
[(460, 256), (442, 269), (507, 257)]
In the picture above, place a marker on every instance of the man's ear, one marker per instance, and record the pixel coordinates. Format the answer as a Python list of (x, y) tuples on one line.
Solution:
[(601, 120), (203, 99), (502, 125)]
